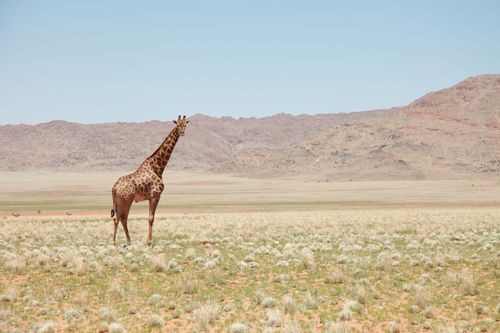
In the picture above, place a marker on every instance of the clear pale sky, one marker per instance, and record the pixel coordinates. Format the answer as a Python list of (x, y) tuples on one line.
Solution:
[(101, 61)]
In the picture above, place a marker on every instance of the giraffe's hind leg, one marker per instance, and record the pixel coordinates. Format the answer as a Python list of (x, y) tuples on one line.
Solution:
[(123, 209), (125, 228), (115, 226)]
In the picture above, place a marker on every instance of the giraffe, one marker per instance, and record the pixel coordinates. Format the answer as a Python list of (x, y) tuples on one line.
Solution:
[(145, 183)]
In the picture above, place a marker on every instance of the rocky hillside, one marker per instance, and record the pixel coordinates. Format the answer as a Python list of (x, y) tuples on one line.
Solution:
[(452, 133)]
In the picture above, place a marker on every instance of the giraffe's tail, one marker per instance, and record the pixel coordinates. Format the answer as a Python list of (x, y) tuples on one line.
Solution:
[(113, 210)]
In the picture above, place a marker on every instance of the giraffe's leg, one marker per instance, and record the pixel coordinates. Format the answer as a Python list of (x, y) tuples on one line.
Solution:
[(115, 221), (153, 202), (125, 228), (123, 212), (114, 216)]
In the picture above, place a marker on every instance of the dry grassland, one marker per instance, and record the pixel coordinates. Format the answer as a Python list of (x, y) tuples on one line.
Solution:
[(242, 255)]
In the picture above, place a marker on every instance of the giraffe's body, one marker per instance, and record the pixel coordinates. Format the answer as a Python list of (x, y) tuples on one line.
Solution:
[(145, 183)]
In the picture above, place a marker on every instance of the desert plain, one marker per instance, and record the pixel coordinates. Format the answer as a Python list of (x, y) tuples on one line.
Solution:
[(237, 254)]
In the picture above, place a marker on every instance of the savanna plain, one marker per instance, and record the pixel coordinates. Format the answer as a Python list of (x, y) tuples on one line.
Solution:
[(235, 254)]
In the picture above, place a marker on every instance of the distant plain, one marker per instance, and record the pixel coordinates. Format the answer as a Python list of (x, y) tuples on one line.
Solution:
[(56, 193)]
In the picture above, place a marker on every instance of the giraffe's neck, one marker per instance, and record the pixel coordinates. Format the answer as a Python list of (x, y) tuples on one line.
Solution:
[(159, 159)]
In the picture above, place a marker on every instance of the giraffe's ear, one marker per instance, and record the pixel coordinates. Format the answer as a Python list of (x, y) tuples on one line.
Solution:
[(174, 121), (187, 122)]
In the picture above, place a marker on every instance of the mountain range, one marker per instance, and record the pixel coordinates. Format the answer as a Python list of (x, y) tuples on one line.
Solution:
[(453, 133)]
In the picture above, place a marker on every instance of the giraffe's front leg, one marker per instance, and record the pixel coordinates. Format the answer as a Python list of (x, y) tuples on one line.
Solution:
[(153, 203)]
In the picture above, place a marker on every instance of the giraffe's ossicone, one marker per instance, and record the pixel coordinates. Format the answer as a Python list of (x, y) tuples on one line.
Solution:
[(145, 183)]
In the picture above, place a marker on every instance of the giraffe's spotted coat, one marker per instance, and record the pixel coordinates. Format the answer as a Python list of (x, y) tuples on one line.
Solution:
[(145, 183)]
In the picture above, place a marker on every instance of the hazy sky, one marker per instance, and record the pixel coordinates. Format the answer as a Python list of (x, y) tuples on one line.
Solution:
[(96, 61)]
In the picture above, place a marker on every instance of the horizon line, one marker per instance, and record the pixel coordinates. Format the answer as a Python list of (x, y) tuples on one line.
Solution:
[(261, 117)]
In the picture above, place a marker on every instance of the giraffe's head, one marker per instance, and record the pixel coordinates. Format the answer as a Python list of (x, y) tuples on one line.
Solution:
[(181, 124)]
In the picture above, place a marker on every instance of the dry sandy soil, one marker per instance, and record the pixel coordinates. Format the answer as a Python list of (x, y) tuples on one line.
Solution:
[(54, 193)]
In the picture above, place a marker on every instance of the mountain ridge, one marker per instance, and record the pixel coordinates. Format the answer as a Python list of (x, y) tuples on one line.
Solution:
[(449, 133)]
